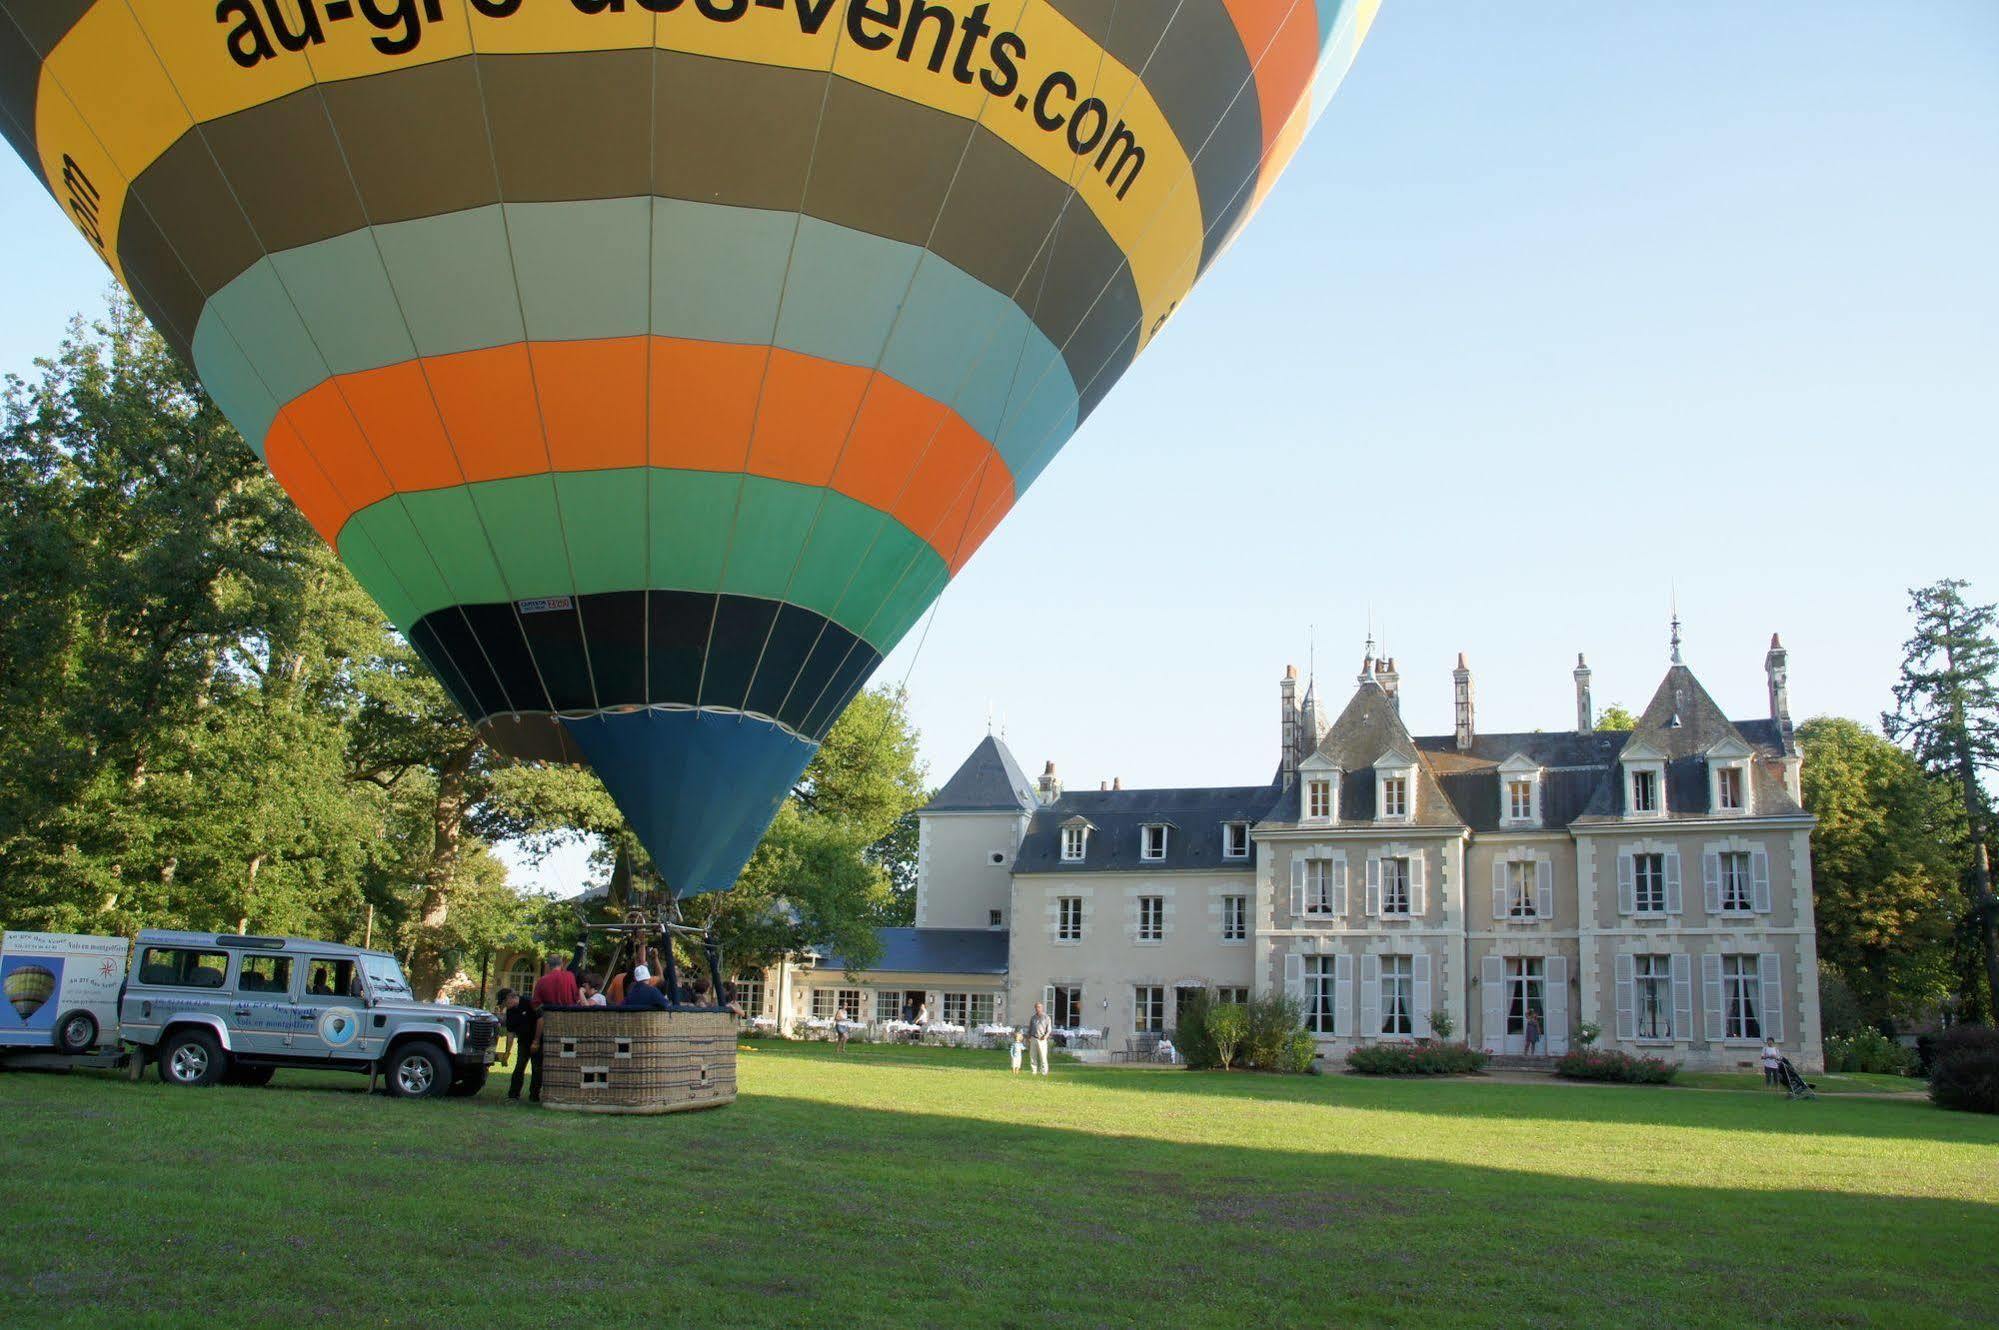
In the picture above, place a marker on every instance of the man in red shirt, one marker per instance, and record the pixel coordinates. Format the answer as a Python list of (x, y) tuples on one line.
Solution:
[(556, 988)]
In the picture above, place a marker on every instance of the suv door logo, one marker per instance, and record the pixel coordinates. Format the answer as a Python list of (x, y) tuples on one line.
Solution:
[(338, 1026)]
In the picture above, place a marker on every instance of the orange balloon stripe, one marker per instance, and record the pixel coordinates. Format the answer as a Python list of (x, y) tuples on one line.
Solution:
[(359, 438), (1282, 41)]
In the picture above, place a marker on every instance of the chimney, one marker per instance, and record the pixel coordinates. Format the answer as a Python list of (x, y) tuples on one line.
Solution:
[(1049, 787), (1461, 696), (1777, 668), (1287, 728), (1117, 782), (1585, 713), (1390, 680), (1103, 785)]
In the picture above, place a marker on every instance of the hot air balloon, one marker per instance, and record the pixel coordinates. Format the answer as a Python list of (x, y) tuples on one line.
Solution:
[(28, 987), (656, 363)]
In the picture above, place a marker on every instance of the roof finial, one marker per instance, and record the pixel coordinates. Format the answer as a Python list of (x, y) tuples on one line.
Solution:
[(1676, 626), (989, 718)]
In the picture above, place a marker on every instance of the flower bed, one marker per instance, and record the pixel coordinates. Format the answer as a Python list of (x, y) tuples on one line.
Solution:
[(1607, 1064), (1416, 1060)]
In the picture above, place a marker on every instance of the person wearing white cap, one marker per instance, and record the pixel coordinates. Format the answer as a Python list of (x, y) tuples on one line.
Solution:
[(640, 995)]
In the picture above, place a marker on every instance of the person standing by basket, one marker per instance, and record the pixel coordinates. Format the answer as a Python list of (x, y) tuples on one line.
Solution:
[(520, 1019), (1039, 1030)]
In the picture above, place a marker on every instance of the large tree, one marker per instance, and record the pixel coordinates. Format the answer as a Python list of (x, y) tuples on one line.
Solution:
[(1883, 880), (1947, 711)]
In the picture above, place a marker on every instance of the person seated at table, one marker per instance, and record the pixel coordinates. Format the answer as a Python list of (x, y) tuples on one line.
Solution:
[(641, 995)]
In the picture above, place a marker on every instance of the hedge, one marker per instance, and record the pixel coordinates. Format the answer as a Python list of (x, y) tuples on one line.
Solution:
[(1603, 1064), (1416, 1060)]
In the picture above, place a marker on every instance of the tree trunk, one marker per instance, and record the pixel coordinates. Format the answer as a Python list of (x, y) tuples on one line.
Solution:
[(249, 891), (447, 833)]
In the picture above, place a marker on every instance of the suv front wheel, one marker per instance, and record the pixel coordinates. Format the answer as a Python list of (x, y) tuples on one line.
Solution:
[(418, 1071), (192, 1057)]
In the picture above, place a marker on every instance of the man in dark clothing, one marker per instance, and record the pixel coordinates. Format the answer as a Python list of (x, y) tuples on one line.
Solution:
[(518, 1014), (640, 995)]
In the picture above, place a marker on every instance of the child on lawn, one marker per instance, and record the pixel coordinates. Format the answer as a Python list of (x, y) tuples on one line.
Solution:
[(1019, 1047)]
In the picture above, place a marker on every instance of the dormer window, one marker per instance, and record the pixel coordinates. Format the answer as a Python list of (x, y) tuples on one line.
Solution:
[(1728, 776), (1235, 840), (1644, 780), (1075, 838), (1319, 799), (1394, 787), (1519, 792), (1644, 791), (1152, 841), (1395, 796)]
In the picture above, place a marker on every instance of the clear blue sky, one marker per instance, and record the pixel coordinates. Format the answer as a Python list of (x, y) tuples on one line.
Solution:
[(1561, 304)]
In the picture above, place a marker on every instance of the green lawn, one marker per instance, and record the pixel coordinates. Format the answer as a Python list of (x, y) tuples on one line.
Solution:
[(921, 1187)]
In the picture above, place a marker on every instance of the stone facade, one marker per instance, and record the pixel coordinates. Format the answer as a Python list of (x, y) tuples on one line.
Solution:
[(1655, 883)]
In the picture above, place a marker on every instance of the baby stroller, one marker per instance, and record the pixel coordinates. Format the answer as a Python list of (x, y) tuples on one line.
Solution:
[(1795, 1085)]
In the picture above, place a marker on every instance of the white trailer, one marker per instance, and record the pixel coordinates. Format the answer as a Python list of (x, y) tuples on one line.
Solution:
[(60, 992)]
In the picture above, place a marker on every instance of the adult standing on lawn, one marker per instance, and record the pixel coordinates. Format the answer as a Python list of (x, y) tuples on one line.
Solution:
[(521, 1020), (840, 1029), (1039, 1028), (1773, 1058), (1531, 1029), (556, 988)]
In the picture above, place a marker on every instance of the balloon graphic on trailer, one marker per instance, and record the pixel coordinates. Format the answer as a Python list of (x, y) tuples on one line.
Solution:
[(28, 987), (656, 363)]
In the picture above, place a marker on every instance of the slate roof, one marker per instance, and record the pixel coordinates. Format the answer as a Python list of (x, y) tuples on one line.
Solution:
[(933, 951), (989, 781), (1193, 844)]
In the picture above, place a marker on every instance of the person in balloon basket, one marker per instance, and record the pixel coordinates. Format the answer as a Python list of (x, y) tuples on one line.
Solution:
[(591, 994), (519, 1017), (641, 995), (1039, 1030)]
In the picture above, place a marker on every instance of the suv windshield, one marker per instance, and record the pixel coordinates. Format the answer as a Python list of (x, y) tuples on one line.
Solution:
[(385, 976)]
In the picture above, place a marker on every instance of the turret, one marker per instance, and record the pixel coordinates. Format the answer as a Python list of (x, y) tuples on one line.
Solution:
[(1461, 698), (1585, 712)]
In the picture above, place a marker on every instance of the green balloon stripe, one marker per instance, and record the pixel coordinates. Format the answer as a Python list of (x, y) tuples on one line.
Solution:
[(643, 528)]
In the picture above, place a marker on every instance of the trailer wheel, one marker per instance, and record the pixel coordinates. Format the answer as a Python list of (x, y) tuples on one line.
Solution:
[(418, 1070), (76, 1033), (469, 1083), (191, 1057)]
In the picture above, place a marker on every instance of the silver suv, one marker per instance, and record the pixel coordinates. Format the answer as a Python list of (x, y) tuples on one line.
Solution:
[(210, 1007)]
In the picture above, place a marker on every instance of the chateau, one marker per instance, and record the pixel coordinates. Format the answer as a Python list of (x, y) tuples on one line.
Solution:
[(1655, 883)]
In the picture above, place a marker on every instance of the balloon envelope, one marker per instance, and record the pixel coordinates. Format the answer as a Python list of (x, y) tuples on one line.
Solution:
[(655, 363), (28, 987)]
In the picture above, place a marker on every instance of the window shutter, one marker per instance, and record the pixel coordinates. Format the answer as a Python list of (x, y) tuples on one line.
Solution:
[(1370, 996), (1298, 888), (1627, 883), (1711, 996), (1675, 904), (1711, 874), (1339, 872), (1544, 892), (1759, 880), (1343, 995), (1683, 996), (1555, 1004), (1770, 978), (1294, 977), (1419, 994), (1373, 886), (1627, 998), (1048, 1004), (1499, 901), (1418, 898), (1492, 987)]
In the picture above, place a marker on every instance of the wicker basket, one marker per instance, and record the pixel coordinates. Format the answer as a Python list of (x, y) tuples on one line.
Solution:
[(598, 1060)]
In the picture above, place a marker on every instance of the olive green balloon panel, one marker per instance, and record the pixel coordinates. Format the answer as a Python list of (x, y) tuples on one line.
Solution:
[(655, 363)]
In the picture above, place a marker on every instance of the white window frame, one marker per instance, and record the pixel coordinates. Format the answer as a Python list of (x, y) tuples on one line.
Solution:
[(1644, 881), (1229, 830), (1408, 894), (1057, 997), (1235, 918), (1519, 770), (1737, 869), (1146, 851), (1075, 842), (1398, 976), (888, 1003), (1729, 755), (1156, 905), (1065, 908), (1148, 1002), (1741, 997), (1319, 799), (1321, 994), (1319, 884), (1653, 971), (957, 1008), (750, 994), (1654, 768), (981, 1009)]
